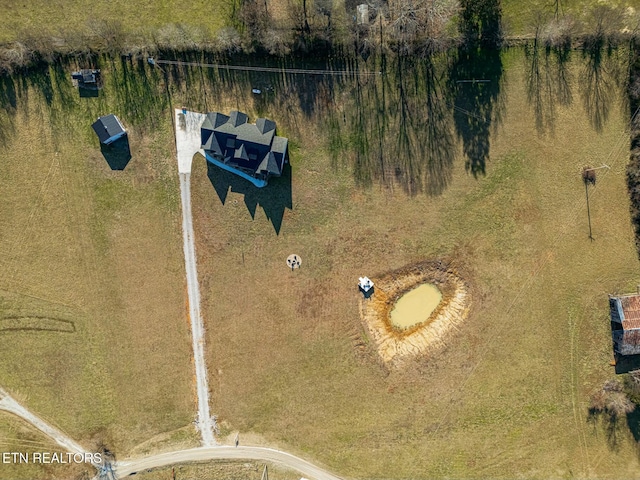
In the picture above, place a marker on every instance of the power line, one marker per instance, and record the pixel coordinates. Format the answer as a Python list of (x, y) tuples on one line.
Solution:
[(265, 69)]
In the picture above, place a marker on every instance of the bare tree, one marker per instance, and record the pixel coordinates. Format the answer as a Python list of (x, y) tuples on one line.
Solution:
[(421, 24), (252, 15)]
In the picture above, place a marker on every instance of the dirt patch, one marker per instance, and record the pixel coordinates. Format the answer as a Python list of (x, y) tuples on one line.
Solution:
[(425, 338)]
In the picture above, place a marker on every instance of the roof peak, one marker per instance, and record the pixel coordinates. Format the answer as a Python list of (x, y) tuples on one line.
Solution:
[(265, 125), (237, 118)]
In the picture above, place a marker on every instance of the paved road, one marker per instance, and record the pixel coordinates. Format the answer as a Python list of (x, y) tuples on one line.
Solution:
[(308, 470)]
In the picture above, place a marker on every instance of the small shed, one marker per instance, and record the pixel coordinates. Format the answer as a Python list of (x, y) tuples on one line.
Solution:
[(109, 129), (625, 323), (86, 78)]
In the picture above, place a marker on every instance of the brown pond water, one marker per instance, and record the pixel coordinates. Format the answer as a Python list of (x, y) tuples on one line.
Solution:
[(415, 306)]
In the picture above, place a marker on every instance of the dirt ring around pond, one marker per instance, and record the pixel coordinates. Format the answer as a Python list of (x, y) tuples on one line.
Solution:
[(425, 338)]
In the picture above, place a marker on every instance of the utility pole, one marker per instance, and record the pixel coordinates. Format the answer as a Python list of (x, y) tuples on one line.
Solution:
[(589, 177), (586, 190)]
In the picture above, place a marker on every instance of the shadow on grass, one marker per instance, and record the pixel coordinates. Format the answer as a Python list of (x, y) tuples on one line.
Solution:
[(87, 92), (396, 128), (8, 107), (633, 422), (627, 363), (476, 87), (117, 154), (611, 423), (476, 79), (548, 80), (138, 93), (273, 199)]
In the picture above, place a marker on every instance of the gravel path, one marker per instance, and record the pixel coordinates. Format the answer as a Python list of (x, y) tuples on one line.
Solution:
[(187, 144), (8, 404)]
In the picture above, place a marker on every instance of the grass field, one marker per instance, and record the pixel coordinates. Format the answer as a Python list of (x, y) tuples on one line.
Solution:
[(86, 17), (290, 364), (99, 250), (198, 20), (220, 470), (509, 396), (520, 18)]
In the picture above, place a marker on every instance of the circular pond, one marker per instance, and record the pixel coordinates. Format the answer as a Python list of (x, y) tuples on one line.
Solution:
[(415, 306)]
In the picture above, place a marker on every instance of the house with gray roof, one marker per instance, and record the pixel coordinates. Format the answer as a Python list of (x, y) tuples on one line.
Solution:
[(250, 150), (625, 323), (108, 129)]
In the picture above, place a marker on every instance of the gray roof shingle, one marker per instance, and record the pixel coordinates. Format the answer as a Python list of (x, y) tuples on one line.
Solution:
[(250, 146)]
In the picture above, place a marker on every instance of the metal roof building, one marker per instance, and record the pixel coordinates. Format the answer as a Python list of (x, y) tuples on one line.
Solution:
[(625, 323)]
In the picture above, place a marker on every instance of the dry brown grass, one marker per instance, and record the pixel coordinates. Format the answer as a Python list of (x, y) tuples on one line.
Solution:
[(508, 396), (102, 250), (221, 470), (289, 361), (79, 17), (18, 436)]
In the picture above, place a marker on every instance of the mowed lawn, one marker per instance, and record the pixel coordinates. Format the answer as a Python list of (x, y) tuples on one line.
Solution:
[(290, 364), (181, 23), (95, 254), (64, 18)]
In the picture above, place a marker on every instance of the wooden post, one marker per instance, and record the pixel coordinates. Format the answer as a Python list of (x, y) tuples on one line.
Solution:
[(586, 189)]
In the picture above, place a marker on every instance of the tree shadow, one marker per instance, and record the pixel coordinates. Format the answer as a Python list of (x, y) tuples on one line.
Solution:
[(476, 80), (475, 87), (633, 422), (611, 423), (436, 130), (138, 91), (39, 78), (481, 22), (273, 199), (633, 168), (548, 80), (397, 128), (117, 154), (8, 108), (627, 363), (598, 85)]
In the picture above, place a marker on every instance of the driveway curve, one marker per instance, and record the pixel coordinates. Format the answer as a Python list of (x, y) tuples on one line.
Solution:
[(308, 470)]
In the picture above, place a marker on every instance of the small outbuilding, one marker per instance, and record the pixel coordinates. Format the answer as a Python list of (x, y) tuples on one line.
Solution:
[(86, 78), (365, 284), (625, 323), (109, 129)]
